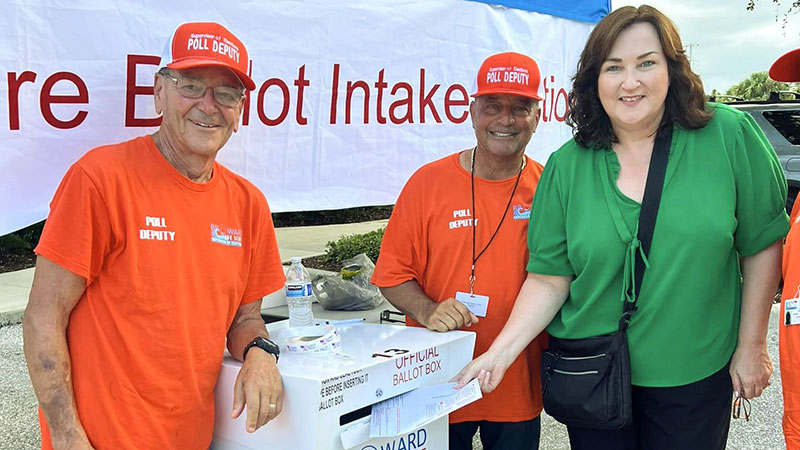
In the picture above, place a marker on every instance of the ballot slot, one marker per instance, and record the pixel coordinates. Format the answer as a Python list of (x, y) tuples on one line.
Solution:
[(352, 416)]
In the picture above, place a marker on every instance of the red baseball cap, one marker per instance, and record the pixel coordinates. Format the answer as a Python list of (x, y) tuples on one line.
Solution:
[(787, 67), (204, 44), (509, 73)]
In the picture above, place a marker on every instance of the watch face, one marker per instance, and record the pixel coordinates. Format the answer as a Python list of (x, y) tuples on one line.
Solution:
[(270, 346), (264, 344)]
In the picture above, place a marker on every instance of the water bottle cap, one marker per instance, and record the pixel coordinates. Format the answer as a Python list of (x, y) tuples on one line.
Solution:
[(295, 259)]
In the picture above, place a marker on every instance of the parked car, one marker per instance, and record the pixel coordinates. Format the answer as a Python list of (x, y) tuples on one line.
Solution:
[(780, 120)]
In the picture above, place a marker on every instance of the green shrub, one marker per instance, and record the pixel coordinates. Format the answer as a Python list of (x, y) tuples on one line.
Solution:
[(11, 241), (349, 246), (27, 237)]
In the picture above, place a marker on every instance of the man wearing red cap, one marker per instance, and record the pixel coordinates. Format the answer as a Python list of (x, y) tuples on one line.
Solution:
[(447, 274), (152, 254), (787, 69)]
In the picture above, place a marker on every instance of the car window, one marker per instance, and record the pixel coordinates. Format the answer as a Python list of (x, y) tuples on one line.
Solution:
[(787, 123)]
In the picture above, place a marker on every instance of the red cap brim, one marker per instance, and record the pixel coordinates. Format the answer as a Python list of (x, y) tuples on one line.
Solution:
[(189, 63), (787, 67), (505, 91)]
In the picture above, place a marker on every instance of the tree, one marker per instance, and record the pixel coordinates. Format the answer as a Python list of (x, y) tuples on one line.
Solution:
[(751, 5), (794, 8), (757, 87)]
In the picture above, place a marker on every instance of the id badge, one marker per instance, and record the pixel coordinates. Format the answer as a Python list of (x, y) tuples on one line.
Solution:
[(478, 304), (791, 312)]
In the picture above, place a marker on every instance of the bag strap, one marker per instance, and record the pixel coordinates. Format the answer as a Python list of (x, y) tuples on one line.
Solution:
[(648, 213)]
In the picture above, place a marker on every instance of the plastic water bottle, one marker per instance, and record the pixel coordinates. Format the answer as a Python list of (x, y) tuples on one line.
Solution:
[(299, 295)]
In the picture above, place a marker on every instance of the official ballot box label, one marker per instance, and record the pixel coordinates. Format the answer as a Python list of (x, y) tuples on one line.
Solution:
[(326, 393)]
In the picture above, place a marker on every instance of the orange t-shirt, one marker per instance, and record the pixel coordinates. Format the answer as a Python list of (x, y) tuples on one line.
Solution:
[(789, 339), (795, 211), (429, 239), (167, 264)]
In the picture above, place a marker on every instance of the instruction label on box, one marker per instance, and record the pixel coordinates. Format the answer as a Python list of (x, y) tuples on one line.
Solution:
[(332, 391)]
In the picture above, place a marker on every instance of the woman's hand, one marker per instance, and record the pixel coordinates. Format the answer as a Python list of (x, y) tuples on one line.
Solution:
[(488, 368), (750, 370)]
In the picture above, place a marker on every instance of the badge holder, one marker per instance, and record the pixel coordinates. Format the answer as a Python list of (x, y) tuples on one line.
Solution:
[(791, 310), (477, 304)]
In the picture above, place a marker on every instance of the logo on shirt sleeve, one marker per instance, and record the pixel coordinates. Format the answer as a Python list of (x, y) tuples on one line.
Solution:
[(226, 235)]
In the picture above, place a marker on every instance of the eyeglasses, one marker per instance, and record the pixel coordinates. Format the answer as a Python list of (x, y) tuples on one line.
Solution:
[(226, 96), (741, 404)]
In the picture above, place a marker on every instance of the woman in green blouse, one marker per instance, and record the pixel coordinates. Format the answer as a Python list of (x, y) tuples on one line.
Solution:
[(699, 335)]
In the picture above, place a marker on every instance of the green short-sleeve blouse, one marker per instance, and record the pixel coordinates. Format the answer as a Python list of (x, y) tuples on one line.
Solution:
[(724, 196)]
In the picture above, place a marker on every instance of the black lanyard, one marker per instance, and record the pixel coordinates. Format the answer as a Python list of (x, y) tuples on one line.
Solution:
[(475, 215)]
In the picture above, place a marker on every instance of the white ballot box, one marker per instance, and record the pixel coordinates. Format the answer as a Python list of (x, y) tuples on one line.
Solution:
[(328, 396)]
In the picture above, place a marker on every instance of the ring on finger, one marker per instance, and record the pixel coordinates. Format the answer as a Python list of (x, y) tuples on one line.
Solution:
[(272, 406)]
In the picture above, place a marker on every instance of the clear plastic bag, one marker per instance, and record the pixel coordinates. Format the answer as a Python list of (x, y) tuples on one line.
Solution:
[(349, 290)]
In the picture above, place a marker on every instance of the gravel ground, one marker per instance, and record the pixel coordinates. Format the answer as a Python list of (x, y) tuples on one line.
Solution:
[(19, 426), (19, 429)]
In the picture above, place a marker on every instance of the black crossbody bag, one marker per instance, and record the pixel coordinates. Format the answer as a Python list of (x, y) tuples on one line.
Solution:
[(587, 382)]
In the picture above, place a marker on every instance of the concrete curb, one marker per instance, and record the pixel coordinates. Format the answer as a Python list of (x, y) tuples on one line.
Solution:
[(11, 317)]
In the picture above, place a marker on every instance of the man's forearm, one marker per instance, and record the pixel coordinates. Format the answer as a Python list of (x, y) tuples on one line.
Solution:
[(246, 326), (54, 294), (50, 370), (409, 298)]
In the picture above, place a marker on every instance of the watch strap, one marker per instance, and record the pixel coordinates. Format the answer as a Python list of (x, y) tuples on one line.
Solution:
[(264, 344)]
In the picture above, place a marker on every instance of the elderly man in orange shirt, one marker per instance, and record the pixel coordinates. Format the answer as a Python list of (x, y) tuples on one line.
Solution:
[(154, 253)]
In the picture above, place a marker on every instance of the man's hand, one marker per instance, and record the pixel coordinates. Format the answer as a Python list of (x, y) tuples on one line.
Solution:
[(448, 315), (259, 386)]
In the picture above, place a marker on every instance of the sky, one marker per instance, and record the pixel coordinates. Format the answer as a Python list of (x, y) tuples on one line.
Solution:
[(730, 42)]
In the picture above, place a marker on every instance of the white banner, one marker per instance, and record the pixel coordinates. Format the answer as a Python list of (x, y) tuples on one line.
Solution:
[(351, 97)]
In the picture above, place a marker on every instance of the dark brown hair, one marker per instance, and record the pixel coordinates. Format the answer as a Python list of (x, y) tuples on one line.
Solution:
[(685, 103)]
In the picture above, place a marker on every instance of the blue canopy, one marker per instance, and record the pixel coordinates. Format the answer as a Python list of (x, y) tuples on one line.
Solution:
[(581, 10)]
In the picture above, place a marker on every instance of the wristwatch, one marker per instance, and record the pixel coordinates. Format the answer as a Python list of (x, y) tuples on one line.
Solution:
[(264, 344)]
